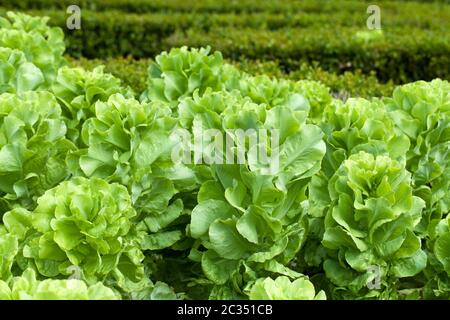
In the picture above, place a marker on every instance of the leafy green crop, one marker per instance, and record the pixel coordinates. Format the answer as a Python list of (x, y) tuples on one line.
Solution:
[(42, 45), (83, 223), (33, 147), (18, 75), (283, 289), (77, 91), (213, 183), (179, 73), (371, 223), (422, 111), (26, 287)]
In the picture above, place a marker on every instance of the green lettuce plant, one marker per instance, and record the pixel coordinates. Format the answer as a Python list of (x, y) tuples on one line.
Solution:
[(318, 96), (437, 274), (361, 125), (124, 138), (304, 94), (9, 247), (78, 90), (128, 142), (32, 147), (27, 287), (178, 73), (42, 45), (351, 127), (370, 225), (17, 74), (248, 220), (271, 91), (83, 224), (422, 111), (283, 289)]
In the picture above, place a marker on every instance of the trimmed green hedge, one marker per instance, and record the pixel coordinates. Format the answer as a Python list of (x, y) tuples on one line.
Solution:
[(134, 73), (398, 56), (416, 43), (209, 6), (405, 53), (434, 18), (401, 55), (218, 6)]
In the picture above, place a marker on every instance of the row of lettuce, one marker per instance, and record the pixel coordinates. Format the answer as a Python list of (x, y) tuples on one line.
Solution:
[(93, 205), (414, 43), (133, 73)]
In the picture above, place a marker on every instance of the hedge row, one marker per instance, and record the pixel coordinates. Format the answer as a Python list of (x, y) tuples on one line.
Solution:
[(403, 55), (164, 23), (209, 6), (407, 52), (134, 73)]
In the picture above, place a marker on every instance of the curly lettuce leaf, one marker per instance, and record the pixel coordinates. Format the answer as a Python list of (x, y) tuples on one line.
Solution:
[(283, 289), (27, 287)]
